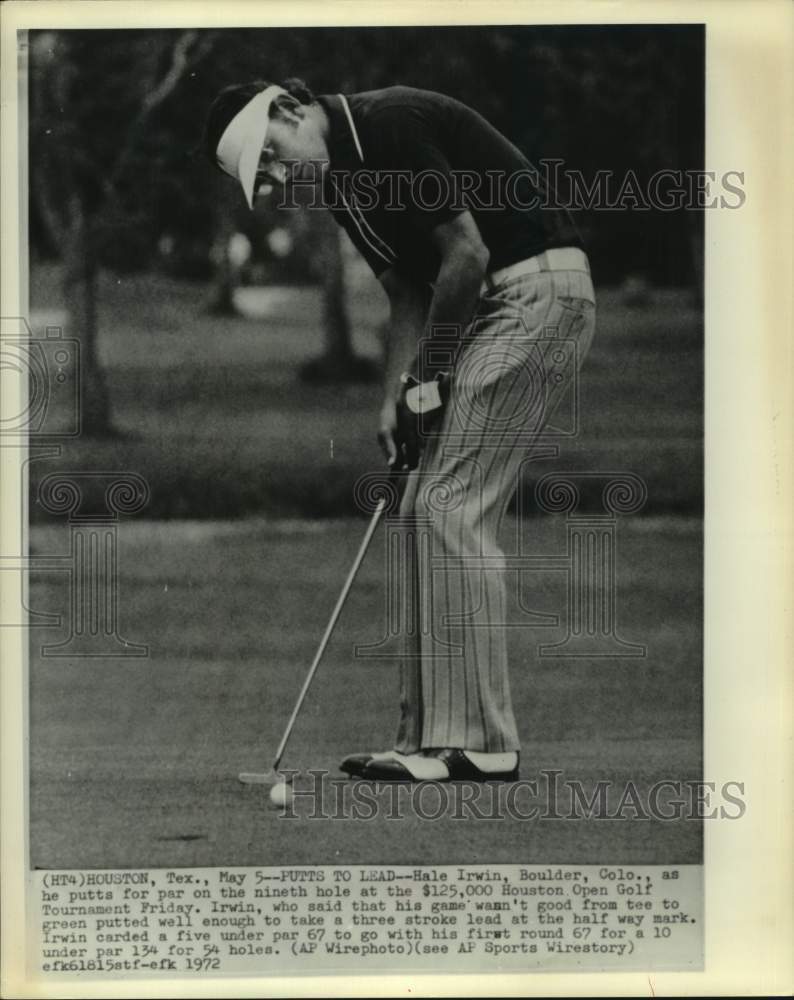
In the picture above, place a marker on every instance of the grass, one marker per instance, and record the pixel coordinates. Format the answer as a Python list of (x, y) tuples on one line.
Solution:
[(134, 762)]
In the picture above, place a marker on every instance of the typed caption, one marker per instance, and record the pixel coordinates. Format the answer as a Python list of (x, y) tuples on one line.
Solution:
[(280, 921)]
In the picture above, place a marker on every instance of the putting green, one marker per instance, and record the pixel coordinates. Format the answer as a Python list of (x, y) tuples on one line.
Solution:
[(134, 762)]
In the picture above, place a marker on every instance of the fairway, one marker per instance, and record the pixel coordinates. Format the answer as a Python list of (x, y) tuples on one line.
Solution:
[(134, 761), (212, 413)]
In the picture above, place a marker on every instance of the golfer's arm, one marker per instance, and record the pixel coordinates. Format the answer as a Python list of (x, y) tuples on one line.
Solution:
[(408, 304), (464, 264)]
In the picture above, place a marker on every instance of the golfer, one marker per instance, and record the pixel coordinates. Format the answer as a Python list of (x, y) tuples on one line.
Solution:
[(492, 313)]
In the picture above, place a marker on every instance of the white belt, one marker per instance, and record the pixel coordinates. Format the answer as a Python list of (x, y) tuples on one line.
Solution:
[(556, 259)]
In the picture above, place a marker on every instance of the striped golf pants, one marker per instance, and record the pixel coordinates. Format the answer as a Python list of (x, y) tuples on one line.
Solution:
[(514, 366)]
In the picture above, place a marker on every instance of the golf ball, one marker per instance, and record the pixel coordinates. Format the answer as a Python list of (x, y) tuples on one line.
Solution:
[(280, 793)]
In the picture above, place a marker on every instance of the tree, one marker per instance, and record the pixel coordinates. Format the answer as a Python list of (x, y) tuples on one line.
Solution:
[(338, 363), (92, 97)]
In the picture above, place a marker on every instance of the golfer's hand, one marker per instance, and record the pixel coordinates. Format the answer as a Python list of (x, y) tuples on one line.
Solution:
[(399, 435), (387, 431), (402, 431)]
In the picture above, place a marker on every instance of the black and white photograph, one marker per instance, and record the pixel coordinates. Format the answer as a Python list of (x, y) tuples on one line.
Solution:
[(363, 475)]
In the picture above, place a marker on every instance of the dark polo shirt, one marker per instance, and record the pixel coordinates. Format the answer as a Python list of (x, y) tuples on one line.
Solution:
[(426, 158)]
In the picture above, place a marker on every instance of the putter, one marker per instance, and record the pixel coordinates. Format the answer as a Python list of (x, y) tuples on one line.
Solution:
[(271, 776)]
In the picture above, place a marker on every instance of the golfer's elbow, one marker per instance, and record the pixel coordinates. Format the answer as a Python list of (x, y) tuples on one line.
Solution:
[(462, 248), (468, 262)]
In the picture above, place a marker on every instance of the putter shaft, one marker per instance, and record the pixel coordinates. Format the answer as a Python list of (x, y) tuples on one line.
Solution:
[(330, 627)]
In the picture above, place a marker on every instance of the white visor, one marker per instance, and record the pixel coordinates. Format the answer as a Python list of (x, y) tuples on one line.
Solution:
[(240, 146)]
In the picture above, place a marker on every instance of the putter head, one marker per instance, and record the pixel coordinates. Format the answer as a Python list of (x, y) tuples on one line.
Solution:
[(258, 777)]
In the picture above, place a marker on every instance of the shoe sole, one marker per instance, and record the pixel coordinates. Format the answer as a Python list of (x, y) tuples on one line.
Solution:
[(496, 778)]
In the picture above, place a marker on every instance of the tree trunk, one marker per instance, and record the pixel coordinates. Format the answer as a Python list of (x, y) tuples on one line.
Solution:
[(222, 299), (80, 287), (338, 363), (225, 277), (336, 322)]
